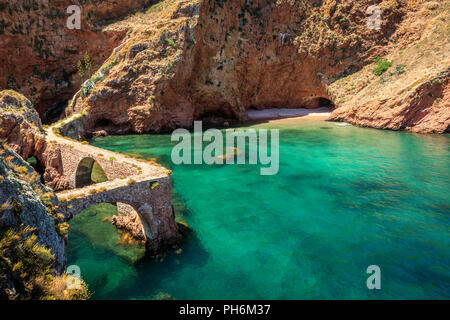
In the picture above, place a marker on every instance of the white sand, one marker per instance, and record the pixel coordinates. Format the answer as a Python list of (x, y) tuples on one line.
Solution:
[(323, 113)]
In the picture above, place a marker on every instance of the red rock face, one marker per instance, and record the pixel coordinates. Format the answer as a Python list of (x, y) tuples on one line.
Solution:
[(412, 91), (187, 60), (425, 110), (39, 54), (221, 59)]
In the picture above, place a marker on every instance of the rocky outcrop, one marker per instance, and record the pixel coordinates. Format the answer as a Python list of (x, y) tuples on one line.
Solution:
[(423, 109), (133, 85), (23, 137), (39, 54), (24, 199), (411, 92), (129, 221), (21, 129), (20, 125), (33, 236)]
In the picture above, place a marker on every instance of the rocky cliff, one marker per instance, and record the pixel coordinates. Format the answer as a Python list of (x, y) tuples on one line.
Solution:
[(407, 89), (31, 229), (161, 67), (186, 60), (27, 208), (39, 54), (25, 200), (20, 124)]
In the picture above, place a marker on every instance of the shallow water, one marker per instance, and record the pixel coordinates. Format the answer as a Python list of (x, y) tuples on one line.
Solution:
[(344, 198)]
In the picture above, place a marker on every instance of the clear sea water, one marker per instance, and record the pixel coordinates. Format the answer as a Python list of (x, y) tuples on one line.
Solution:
[(345, 198)]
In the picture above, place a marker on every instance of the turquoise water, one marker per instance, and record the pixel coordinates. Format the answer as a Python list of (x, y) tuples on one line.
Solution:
[(344, 198)]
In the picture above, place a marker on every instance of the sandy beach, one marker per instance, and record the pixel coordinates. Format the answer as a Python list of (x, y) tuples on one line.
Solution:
[(284, 113)]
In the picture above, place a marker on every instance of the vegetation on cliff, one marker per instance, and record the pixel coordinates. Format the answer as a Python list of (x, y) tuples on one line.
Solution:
[(26, 269)]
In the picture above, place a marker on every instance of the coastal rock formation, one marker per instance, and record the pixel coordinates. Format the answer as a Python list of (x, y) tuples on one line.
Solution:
[(33, 235), (425, 109), (187, 60), (39, 54), (409, 88), (22, 137), (132, 90)]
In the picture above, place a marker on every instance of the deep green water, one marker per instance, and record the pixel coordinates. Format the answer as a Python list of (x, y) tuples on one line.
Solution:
[(344, 198)]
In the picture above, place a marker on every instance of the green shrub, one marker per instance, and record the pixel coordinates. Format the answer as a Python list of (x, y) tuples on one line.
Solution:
[(381, 65), (88, 86)]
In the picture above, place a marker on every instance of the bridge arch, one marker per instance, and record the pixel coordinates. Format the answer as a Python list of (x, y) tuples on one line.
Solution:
[(144, 187), (126, 216), (89, 172), (150, 199)]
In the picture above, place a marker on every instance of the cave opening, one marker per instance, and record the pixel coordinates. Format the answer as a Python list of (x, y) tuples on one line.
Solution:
[(215, 115), (55, 112), (325, 103), (103, 123)]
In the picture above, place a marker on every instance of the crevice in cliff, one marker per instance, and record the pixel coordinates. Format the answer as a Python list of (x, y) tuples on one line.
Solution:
[(210, 115), (37, 166), (103, 123)]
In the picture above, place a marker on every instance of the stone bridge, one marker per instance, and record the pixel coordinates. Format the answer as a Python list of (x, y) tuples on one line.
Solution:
[(134, 185)]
